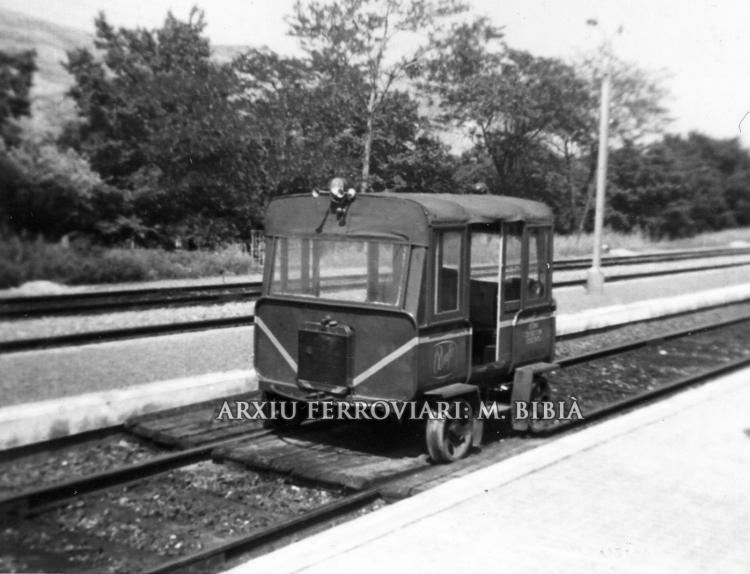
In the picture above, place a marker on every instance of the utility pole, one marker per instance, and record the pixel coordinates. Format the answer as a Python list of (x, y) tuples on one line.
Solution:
[(595, 277)]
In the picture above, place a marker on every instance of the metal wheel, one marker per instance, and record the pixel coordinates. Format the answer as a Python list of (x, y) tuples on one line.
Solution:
[(450, 439)]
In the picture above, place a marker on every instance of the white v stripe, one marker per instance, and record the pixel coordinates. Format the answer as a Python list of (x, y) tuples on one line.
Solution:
[(279, 347), (389, 358)]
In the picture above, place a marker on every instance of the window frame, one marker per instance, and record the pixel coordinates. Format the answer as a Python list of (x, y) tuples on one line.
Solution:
[(276, 242), (461, 305), (514, 305), (546, 297)]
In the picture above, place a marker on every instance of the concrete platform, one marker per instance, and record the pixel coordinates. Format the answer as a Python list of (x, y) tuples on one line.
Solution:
[(34, 422), (131, 364), (661, 489)]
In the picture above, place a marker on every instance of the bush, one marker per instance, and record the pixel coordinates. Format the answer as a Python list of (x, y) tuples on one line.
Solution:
[(80, 263)]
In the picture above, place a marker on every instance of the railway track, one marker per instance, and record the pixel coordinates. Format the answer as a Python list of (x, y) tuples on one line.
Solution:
[(107, 301), (101, 336), (39, 500)]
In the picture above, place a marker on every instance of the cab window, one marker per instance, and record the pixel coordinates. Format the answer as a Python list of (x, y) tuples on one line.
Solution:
[(485, 248), (447, 269), (512, 271), (537, 286)]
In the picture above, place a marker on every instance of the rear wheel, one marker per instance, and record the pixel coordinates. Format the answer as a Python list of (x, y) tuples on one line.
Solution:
[(449, 439)]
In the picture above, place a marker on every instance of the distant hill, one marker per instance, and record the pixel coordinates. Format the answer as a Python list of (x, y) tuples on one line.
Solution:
[(51, 81), (52, 42), (20, 32)]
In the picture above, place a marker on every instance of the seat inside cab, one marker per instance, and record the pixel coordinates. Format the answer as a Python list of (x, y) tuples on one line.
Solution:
[(529, 286)]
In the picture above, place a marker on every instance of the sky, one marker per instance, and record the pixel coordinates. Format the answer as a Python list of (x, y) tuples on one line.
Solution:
[(702, 45)]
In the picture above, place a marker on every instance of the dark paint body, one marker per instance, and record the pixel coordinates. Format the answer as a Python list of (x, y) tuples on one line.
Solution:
[(400, 351)]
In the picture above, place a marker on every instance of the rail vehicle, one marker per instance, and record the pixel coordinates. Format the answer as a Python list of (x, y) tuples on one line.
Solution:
[(407, 297)]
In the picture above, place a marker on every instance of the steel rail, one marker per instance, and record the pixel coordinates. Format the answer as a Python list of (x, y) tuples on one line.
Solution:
[(645, 396), (219, 555), (573, 264), (648, 274), (216, 557), (647, 341), (150, 297), (140, 298), (93, 337), (35, 500)]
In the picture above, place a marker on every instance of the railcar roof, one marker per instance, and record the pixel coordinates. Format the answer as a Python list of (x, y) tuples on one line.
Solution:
[(401, 216), (473, 208)]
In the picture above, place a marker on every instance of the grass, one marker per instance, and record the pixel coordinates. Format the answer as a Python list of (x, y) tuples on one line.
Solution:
[(575, 246), (22, 261)]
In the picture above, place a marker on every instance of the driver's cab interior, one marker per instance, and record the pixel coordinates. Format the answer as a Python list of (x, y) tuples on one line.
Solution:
[(514, 256)]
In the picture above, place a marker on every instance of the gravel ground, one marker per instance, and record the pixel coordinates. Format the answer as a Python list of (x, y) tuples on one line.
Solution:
[(72, 462), (626, 333), (50, 288), (576, 299), (606, 380), (185, 510), (67, 371), (52, 326), (129, 528)]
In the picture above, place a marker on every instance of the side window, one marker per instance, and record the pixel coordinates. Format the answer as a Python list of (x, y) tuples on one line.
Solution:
[(538, 284), (447, 268), (512, 272), (485, 248)]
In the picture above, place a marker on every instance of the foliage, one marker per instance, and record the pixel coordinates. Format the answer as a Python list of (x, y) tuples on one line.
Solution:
[(159, 118), (351, 41), (680, 186), (514, 104), (81, 263), (173, 148), (16, 73), (313, 125)]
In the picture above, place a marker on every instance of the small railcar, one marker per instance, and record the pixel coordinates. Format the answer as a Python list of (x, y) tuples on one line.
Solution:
[(407, 297)]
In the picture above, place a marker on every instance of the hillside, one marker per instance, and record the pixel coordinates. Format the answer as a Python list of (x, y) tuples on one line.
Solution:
[(51, 42)]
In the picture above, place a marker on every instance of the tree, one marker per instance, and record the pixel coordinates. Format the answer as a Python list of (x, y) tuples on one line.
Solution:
[(680, 186), (637, 113), (16, 74), (517, 106), (314, 130), (353, 41), (159, 117)]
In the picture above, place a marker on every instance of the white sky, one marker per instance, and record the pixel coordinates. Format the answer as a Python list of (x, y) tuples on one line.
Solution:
[(704, 44)]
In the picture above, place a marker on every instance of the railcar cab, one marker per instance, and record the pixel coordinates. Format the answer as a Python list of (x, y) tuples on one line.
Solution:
[(396, 297)]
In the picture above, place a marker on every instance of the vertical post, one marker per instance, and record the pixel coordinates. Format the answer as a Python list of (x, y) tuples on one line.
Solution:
[(595, 278), (499, 310)]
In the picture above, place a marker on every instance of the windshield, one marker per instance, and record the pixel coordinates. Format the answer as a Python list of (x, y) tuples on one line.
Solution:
[(339, 269)]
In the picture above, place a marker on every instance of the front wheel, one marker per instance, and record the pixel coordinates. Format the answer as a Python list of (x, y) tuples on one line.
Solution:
[(449, 439)]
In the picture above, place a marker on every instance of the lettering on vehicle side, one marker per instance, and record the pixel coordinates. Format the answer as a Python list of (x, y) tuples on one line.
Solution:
[(533, 333), (444, 358)]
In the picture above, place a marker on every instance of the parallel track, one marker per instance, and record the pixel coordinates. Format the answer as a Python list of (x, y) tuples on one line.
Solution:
[(142, 298), (93, 337), (40, 499)]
